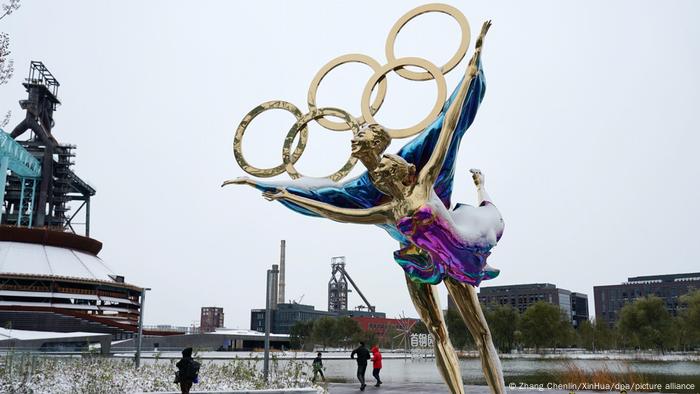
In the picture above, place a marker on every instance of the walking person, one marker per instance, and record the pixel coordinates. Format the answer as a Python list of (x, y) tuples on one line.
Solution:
[(187, 371), (317, 366), (376, 364), (362, 357)]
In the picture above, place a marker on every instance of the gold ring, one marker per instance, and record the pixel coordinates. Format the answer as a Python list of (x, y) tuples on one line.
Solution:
[(397, 64), (238, 138), (301, 125), (454, 60), (353, 57)]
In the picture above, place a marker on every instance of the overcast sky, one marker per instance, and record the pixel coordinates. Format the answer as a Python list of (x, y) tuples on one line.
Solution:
[(588, 136)]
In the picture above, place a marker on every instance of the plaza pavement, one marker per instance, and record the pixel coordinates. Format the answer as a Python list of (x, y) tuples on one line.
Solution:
[(413, 388), (429, 388)]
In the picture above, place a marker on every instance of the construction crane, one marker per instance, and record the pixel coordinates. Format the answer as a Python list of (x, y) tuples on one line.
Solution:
[(299, 300)]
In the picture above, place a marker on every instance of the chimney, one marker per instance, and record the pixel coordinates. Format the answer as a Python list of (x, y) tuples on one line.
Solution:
[(280, 299), (274, 287)]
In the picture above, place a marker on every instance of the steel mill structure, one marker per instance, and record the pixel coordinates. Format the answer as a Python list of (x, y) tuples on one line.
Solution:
[(51, 278)]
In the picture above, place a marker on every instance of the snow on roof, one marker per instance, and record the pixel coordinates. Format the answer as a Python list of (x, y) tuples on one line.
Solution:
[(243, 331), (34, 259), (26, 335)]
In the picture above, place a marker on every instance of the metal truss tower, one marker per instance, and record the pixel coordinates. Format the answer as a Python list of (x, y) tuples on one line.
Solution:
[(338, 287), (43, 201)]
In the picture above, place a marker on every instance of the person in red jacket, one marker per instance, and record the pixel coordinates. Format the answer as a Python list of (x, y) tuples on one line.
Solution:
[(376, 364)]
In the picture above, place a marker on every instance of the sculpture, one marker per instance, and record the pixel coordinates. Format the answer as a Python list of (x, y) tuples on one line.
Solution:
[(406, 194)]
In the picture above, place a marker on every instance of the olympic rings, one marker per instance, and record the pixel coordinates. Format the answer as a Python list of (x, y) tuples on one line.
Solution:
[(368, 110), (395, 65), (238, 150), (328, 67), (300, 125), (454, 60)]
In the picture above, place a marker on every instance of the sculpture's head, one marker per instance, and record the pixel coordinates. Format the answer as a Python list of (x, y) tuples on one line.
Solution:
[(370, 140), (394, 175)]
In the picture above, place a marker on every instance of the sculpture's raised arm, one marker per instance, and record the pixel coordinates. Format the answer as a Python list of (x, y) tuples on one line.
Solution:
[(429, 174)]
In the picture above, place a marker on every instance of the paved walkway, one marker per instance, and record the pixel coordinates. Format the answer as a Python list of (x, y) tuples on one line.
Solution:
[(429, 388), (413, 388)]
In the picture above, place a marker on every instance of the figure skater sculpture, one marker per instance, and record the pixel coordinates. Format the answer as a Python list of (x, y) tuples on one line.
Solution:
[(416, 213)]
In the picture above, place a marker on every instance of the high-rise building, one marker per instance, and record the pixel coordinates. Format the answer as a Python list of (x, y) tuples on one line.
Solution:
[(609, 299), (579, 308), (212, 318), (522, 296)]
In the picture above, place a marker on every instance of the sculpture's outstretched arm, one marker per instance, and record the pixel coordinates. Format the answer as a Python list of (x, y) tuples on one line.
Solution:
[(241, 180), (430, 172), (375, 215)]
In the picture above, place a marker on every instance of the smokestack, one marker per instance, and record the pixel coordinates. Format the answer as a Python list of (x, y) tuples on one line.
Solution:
[(274, 287), (283, 245)]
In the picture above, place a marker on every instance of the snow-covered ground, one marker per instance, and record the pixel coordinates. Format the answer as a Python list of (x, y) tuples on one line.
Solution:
[(388, 354), (286, 355), (23, 373), (29, 335)]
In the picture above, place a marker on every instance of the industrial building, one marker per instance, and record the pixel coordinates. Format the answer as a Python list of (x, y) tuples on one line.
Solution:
[(381, 325), (51, 278), (283, 315), (609, 299), (520, 297)]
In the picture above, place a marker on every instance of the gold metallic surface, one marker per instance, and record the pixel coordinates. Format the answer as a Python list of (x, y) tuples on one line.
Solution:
[(467, 301), (406, 191), (300, 126), (427, 302), (390, 176), (238, 139), (328, 67), (454, 60), (397, 65), (405, 197)]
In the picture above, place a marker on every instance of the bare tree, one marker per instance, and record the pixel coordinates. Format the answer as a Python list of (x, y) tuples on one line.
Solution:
[(7, 65), (8, 8)]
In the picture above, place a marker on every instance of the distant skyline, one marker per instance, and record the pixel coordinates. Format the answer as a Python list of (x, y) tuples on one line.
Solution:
[(587, 135)]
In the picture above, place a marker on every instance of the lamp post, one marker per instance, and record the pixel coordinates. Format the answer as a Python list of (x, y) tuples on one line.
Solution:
[(140, 333), (271, 273)]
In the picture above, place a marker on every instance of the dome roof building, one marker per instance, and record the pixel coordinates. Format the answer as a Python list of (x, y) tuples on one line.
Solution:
[(54, 281)]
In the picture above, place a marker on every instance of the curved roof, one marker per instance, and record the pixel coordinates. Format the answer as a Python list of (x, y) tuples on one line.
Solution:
[(46, 236), (36, 259)]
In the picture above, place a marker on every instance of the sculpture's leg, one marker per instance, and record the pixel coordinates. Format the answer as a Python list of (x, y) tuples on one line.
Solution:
[(464, 296), (425, 299)]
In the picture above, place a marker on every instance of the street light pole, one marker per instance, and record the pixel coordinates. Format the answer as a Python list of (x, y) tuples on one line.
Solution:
[(268, 312), (140, 333)]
